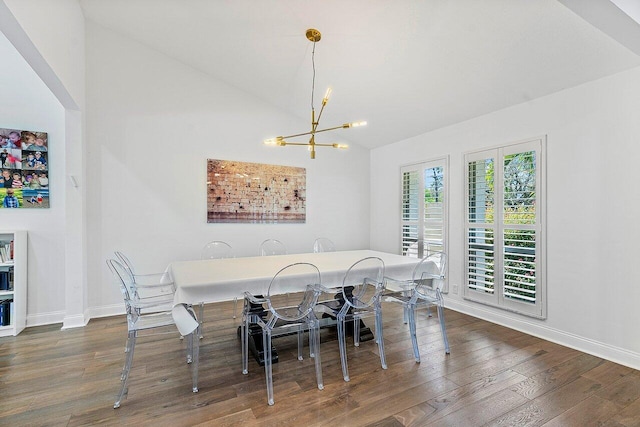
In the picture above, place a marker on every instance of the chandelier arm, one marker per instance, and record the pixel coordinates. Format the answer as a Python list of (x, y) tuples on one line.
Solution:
[(298, 134), (345, 126), (296, 143), (306, 144), (323, 145), (315, 124)]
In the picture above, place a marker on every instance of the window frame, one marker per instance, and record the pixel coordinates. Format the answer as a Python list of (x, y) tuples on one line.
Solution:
[(497, 298)]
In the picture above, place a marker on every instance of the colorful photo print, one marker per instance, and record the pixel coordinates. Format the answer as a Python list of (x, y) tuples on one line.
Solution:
[(11, 198), (35, 160), (10, 158), (255, 193), (24, 169)]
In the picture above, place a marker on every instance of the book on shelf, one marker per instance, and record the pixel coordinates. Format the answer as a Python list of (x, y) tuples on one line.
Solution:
[(6, 252), (6, 308), (5, 281)]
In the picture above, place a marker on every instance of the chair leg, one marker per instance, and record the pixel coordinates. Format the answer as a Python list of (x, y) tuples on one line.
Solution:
[(356, 331), (201, 320), (235, 306), (405, 308), (196, 360), (312, 349), (380, 340), (190, 346), (190, 338), (343, 350), (268, 364), (314, 336), (244, 337), (444, 329), (131, 344), (127, 352), (301, 343), (412, 330)]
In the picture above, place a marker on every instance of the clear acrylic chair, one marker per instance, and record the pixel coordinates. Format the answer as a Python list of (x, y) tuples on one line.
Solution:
[(144, 315), (322, 244), (423, 290), (360, 297), (272, 247), (290, 300), (160, 296), (155, 288), (217, 250)]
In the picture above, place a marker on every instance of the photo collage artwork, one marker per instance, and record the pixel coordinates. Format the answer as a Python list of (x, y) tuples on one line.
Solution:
[(24, 169)]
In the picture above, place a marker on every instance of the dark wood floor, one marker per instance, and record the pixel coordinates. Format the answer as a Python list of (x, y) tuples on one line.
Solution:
[(494, 376)]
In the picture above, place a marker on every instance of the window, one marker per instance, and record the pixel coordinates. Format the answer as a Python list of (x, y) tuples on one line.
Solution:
[(504, 227), (424, 208)]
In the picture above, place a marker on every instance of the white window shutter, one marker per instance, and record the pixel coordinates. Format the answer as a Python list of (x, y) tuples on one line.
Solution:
[(504, 226)]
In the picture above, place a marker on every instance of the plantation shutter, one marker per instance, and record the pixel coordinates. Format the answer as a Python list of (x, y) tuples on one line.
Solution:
[(434, 209), (411, 211), (504, 228), (480, 229), (424, 208)]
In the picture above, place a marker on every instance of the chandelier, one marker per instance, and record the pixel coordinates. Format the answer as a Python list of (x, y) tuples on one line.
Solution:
[(314, 36)]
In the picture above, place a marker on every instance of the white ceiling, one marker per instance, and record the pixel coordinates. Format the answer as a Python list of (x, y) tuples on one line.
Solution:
[(407, 67)]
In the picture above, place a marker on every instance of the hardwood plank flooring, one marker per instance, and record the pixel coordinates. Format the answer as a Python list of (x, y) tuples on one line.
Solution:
[(494, 376)]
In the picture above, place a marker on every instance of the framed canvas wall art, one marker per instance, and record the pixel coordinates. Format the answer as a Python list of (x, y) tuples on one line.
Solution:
[(241, 192)]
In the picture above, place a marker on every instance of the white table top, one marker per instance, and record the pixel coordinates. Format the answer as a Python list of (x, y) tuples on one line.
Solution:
[(217, 280)]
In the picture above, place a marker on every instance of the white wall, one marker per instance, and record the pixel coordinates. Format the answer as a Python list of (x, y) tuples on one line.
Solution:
[(26, 103), (152, 123), (56, 28), (593, 206), (50, 37)]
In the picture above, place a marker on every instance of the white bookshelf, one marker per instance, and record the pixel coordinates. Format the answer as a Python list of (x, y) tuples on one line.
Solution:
[(17, 272)]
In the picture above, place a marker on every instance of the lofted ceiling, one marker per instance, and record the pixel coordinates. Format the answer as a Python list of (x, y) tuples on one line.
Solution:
[(407, 67)]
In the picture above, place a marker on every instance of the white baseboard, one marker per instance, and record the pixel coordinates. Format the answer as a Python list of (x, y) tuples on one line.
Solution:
[(586, 345), (106, 311), (75, 321), (45, 318)]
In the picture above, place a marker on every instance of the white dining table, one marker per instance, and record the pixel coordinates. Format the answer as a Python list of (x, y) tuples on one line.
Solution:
[(216, 280)]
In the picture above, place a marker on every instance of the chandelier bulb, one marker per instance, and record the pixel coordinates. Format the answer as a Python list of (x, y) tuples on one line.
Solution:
[(327, 94)]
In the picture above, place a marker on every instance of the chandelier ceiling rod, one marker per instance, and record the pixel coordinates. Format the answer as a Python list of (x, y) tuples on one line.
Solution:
[(314, 36)]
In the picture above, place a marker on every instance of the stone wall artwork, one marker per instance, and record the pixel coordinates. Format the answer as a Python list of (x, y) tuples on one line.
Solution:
[(255, 193)]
